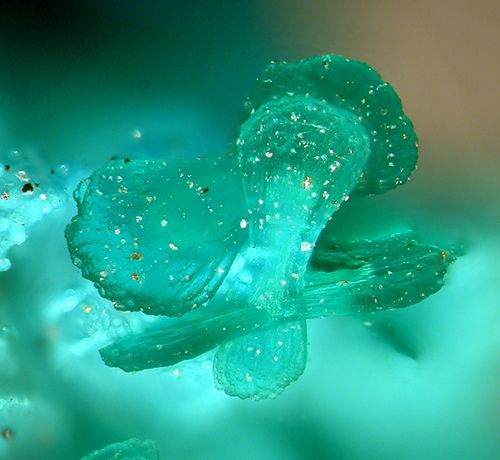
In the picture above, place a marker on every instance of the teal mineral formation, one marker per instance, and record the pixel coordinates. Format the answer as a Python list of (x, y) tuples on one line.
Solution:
[(232, 243), (132, 449)]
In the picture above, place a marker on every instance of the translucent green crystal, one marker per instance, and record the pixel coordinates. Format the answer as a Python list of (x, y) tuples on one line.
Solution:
[(343, 278), (356, 87), (190, 336), (261, 364), (300, 158), (158, 236), (132, 449), (237, 240), (372, 275)]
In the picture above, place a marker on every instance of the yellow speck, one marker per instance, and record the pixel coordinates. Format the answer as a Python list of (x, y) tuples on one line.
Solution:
[(308, 183)]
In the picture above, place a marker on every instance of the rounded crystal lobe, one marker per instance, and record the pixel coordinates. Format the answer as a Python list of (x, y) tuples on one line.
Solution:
[(356, 87), (158, 236)]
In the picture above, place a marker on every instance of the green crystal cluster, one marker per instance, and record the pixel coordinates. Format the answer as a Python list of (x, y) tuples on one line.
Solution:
[(239, 246)]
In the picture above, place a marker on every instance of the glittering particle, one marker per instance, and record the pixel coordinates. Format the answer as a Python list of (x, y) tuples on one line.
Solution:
[(22, 176), (176, 372), (305, 246), (307, 183), (243, 223), (334, 166), (164, 223), (173, 247), (87, 309)]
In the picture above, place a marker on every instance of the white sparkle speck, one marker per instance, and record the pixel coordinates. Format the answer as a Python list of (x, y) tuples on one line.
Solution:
[(176, 372), (305, 246)]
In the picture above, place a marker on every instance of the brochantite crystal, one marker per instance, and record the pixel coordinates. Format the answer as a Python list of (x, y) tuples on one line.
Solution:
[(232, 243)]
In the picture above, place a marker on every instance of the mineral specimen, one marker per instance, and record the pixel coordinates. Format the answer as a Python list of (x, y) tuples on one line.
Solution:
[(233, 242)]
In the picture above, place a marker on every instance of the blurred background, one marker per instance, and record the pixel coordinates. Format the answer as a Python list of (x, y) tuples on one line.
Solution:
[(82, 81)]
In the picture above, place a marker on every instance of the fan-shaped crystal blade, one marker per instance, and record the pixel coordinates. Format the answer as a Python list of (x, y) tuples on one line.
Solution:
[(263, 363), (158, 236), (357, 88), (300, 158), (186, 338), (372, 275)]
